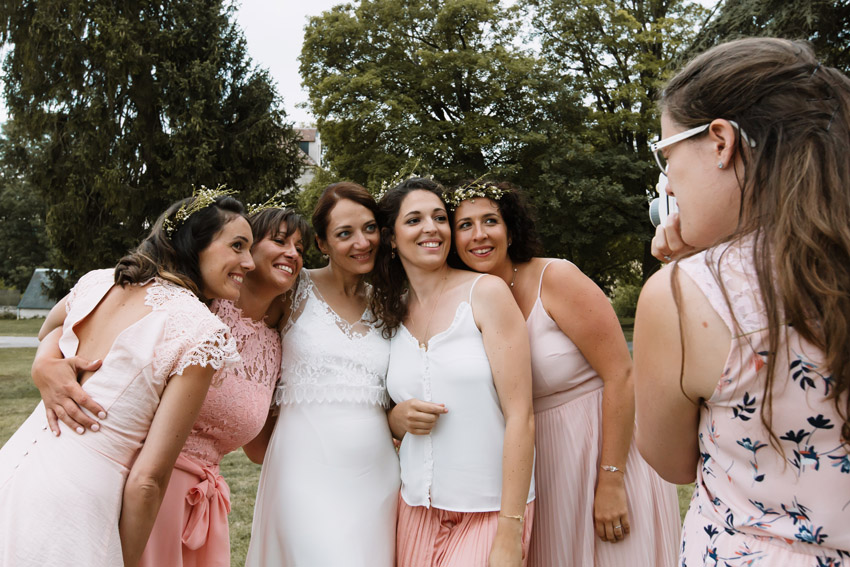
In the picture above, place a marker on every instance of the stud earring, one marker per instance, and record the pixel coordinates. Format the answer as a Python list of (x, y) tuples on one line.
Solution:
[(325, 256), (720, 165), (392, 254)]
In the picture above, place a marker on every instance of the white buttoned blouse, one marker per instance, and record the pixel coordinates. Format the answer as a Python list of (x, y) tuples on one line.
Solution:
[(458, 467)]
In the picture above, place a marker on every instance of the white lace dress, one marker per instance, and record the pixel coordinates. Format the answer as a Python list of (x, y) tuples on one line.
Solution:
[(329, 486)]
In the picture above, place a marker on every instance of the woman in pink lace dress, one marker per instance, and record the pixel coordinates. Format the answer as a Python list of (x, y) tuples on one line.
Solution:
[(742, 352), (191, 528), (599, 502), (92, 500)]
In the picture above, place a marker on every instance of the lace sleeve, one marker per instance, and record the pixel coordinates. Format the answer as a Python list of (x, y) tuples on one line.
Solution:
[(217, 349), (302, 290)]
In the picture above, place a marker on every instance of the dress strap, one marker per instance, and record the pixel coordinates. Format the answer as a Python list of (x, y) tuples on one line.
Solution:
[(475, 281), (540, 283)]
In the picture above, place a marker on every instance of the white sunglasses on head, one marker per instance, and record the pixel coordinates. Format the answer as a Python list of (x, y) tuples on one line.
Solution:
[(662, 161)]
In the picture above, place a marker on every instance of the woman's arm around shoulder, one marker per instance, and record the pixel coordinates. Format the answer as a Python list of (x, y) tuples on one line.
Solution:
[(148, 478)]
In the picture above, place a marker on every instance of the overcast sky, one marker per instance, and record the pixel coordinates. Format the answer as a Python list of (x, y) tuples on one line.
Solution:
[(274, 30)]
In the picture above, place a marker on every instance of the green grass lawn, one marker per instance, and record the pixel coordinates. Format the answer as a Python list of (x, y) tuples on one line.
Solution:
[(20, 327), (18, 397)]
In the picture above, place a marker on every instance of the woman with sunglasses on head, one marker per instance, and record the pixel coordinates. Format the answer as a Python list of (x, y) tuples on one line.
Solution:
[(599, 503), (328, 488), (191, 527), (93, 499), (742, 352), (460, 374)]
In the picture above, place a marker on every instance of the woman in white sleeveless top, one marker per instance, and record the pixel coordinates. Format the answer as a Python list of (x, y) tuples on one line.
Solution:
[(329, 484), (460, 373)]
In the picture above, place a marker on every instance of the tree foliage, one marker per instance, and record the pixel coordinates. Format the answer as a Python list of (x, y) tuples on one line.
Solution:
[(23, 238), (614, 55), (435, 80), (825, 23), (118, 108)]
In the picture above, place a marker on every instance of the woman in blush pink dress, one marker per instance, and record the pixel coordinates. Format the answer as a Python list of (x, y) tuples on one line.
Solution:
[(742, 352), (93, 499), (191, 528), (599, 503)]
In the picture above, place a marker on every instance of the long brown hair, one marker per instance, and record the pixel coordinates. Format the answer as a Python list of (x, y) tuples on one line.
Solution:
[(175, 257), (795, 189), (389, 281)]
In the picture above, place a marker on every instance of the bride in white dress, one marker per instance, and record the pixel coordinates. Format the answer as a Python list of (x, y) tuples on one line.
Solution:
[(328, 490)]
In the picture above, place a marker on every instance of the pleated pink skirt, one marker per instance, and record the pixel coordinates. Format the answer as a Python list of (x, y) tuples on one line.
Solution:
[(430, 537), (568, 443)]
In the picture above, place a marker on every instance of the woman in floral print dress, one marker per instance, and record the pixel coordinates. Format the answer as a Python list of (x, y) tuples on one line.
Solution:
[(742, 352)]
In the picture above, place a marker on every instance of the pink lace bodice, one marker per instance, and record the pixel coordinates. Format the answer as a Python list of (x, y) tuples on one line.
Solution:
[(237, 404)]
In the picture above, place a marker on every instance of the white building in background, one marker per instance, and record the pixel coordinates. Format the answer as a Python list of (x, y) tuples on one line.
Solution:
[(34, 302), (311, 146)]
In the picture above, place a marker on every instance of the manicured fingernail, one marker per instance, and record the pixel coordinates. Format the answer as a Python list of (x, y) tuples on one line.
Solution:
[(55, 432), (95, 427), (80, 430), (101, 415)]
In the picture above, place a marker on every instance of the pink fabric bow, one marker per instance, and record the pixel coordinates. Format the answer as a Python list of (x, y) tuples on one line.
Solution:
[(209, 500)]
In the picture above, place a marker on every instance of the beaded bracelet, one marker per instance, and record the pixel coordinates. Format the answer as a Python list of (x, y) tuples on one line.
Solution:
[(612, 468)]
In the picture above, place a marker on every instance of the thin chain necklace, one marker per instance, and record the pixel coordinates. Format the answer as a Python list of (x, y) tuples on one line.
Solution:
[(422, 343)]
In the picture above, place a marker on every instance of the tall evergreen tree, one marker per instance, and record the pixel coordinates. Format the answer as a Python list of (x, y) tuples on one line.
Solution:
[(119, 107)]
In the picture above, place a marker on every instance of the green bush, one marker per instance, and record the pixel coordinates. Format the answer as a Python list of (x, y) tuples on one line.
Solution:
[(624, 299)]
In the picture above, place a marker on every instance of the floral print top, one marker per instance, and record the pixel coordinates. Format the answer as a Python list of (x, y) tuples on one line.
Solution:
[(754, 504)]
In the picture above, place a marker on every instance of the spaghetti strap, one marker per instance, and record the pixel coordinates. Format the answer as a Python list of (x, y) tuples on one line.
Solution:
[(473, 287), (540, 284)]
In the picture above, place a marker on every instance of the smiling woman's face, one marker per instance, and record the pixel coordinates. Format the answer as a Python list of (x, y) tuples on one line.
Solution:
[(422, 235), (352, 237), (224, 263), (480, 233)]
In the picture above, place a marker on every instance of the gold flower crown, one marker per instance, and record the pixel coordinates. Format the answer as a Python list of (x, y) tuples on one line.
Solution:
[(201, 199), (477, 188), (276, 201)]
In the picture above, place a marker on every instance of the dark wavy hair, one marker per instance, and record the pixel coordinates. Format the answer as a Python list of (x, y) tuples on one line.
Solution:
[(268, 222), (524, 241), (175, 258), (333, 194), (795, 194), (389, 281)]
